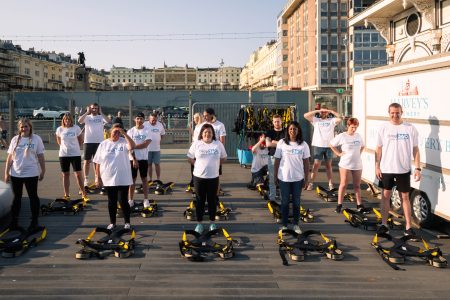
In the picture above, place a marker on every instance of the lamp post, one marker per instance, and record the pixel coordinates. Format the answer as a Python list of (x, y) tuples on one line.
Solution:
[(345, 41)]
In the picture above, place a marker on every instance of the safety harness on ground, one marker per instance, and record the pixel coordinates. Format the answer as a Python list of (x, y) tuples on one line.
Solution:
[(275, 209), (139, 209), (367, 218), (298, 245), (164, 188), (401, 249), (151, 185), (15, 242), (111, 242), (327, 195), (197, 247), (221, 213), (68, 207)]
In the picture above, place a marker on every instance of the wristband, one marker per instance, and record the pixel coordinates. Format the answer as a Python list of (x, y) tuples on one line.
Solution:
[(418, 169)]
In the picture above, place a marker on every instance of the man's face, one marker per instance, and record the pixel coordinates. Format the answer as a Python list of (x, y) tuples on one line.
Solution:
[(276, 123), (94, 110), (139, 121), (207, 117), (395, 114), (153, 120)]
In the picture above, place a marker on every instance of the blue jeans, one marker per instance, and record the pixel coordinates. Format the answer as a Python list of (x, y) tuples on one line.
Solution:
[(272, 187), (288, 189)]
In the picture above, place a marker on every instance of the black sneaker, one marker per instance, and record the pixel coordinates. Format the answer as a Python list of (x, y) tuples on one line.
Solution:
[(411, 234), (383, 229), (338, 209), (360, 208)]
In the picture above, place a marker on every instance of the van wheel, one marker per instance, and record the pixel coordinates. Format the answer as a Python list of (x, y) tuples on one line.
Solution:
[(421, 208), (396, 200)]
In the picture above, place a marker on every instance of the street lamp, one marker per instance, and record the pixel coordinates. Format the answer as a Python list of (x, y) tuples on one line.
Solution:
[(345, 41)]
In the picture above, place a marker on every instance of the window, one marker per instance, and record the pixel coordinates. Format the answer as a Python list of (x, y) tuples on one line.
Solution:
[(334, 57), (324, 40)]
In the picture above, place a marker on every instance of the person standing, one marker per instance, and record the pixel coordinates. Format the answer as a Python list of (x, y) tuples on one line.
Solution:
[(206, 154), (139, 157), (397, 143), (272, 138), (25, 165), (4, 133), (93, 121), (157, 131), (291, 170), (118, 119), (113, 168), (351, 145), (324, 125), (259, 162), (196, 120), (69, 139)]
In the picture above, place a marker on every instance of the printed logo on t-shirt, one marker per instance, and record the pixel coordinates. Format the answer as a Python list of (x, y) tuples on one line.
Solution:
[(116, 149), (69, 134), (398, 136), (155, 130), (97, 120), (324, 124), (139, 137), (23, 146), (209, 152), (296, 152)]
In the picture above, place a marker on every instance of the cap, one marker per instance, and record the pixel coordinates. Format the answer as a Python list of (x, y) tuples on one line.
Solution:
[(140, 115)]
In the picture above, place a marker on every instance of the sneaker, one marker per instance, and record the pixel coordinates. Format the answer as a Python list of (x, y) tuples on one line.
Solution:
[(212, 226), (330, 186), (338, 209), (127, 226), (188, 189), (297, 229), (383, 229), (111, 226), (131, 203), (199, 228), (310, 186), (102, 191), (146, 203), (360, 208), (411, 234)]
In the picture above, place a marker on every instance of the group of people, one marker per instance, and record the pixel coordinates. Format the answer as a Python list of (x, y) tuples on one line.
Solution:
[(283, 152), (284, 155), (116, 159)]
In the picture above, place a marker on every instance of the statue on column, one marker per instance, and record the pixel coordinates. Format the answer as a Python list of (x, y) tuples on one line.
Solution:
[(81, 58)]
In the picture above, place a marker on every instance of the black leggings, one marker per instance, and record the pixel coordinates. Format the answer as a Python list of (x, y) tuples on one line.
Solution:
[(118, 193), (206, 190), (31, 184)]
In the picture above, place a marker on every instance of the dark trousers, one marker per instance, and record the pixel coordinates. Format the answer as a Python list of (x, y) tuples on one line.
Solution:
[(191, 183), (31, 184), (118, 193), (206, 190)]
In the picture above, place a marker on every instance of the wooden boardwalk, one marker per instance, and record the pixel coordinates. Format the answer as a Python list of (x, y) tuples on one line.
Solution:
[(50, 271)]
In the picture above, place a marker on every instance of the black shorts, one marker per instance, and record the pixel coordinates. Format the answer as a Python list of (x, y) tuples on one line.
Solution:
[(143, 168), (66, 161), (401, 181), (89, 150)]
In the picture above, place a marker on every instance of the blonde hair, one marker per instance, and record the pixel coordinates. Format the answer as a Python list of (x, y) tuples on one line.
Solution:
[(69, 117), (21, 122), (197, 118)]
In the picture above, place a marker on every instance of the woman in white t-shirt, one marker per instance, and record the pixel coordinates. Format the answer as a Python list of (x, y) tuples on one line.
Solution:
[(291, 170), (206, 154), (259, 162), (115, 173), (69, 139), (351, 145), (25, 164)]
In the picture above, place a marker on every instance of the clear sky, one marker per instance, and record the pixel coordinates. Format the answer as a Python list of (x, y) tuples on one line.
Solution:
[(195, 32)]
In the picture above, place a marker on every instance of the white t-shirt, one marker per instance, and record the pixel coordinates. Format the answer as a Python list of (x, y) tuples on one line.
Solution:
[(351, 146), (155, 131), (26, 164), (139, 136), (114, 162), (397, 142), (219, 129), (291, 163), (260, 159), (323, 131), (207, 158), (69, 141), (93, 129)]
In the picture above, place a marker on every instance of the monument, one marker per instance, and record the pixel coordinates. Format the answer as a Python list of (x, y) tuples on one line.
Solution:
[(81, 74)]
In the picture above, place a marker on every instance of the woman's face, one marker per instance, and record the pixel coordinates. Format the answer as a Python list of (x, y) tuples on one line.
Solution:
[(293, 131), (352, 129), (67, 122), (207, 135), (115, 134), (24, 128)]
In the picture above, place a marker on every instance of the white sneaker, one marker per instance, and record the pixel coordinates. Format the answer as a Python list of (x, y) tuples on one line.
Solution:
[(330, 186), (131, 203), (111, 226), (146, 203), (297, 229), (127, 226), (310, 186)]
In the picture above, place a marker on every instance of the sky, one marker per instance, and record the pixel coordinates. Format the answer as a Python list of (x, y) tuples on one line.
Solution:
[(138, 33)]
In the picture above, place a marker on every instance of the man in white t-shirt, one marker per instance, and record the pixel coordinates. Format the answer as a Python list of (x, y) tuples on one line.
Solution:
[(93, 120), (397, 144), (324, 121), (156, 131), (139, 157)]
